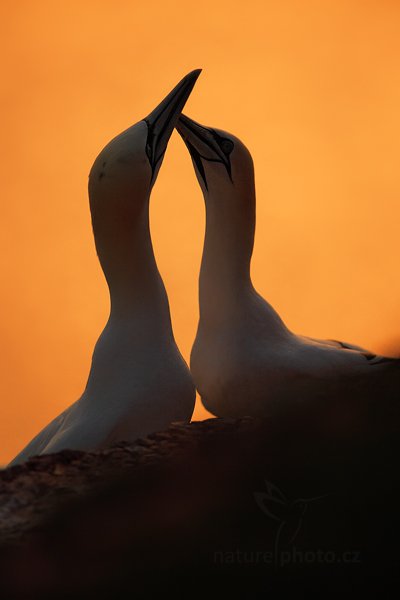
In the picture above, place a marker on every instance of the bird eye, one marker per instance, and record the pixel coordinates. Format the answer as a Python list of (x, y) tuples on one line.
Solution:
[(227, 146)]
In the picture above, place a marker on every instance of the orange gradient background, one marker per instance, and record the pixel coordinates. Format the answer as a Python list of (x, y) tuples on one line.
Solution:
[(313, 89)]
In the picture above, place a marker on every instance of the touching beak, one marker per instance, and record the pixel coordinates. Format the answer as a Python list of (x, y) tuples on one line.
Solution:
[(162, 120), (204, 144), (201, 138)]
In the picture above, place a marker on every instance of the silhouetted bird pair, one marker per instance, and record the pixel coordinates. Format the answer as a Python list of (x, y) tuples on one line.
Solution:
[(244, 360)]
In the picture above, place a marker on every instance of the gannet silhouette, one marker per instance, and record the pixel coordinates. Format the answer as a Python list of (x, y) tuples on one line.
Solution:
[(245, 360), (138, 381)]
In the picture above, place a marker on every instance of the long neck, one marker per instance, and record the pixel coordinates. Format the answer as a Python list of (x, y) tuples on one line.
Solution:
[(225, 269), (226, 293), (126, 255)]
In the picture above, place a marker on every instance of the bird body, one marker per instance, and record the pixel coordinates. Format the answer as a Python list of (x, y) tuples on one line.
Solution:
[(245, 360), (138, 381)]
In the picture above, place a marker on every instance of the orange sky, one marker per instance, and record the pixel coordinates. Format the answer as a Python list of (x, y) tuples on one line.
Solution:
[(313, 89)]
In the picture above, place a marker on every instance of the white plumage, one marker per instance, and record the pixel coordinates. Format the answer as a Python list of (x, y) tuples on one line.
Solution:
[(138, 381), (244, 360)]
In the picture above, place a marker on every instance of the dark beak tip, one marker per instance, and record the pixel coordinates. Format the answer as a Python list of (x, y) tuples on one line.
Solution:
[(183, 120), (194, 74), (180, 131), (162, 120), (180, 93), (190, 80)]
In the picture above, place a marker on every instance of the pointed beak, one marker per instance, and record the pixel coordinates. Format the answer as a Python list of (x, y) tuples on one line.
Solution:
[(201, 138), (205, 145), (162, 120)]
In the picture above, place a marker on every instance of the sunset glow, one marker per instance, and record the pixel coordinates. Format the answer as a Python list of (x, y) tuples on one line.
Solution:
[(313, 90)]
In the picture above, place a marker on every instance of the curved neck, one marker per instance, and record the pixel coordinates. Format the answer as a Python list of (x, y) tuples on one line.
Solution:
[(126, 255), (225, 269)]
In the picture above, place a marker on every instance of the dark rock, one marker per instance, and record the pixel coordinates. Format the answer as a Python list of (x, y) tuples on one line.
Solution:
[(263, 505)]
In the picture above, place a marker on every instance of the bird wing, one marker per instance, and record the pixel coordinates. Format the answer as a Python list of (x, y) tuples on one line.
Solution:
[(40, 441), (372, 358)]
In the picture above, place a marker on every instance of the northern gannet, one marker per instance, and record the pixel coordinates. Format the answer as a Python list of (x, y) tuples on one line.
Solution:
[(138, 381), (244, 360)]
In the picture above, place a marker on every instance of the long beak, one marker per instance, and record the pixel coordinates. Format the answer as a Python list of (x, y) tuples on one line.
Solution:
[(204, 144), (199, 136), (162, 120)]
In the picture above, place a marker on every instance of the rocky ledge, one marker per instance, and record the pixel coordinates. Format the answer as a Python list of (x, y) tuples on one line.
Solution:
[(277, 502)]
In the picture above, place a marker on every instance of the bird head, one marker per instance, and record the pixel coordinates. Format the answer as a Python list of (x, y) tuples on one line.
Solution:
[(125, 171), (222, 162)]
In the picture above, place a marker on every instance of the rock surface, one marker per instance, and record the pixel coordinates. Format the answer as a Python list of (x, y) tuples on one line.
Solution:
[(279, 502)]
